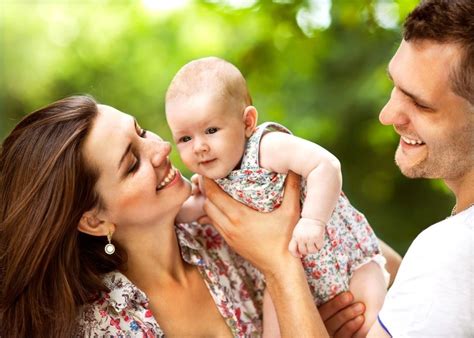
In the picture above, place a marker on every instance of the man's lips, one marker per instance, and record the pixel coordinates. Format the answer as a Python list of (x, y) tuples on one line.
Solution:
[(411, 141)]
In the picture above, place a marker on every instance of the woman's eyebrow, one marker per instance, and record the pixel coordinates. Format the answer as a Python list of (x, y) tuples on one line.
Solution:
[(128, 147), (124, 155)]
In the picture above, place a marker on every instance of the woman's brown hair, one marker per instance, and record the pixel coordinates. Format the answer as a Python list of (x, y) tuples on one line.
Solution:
[(47, 268)]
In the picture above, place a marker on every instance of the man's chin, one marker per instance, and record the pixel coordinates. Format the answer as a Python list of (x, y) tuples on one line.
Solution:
[(410, 170)]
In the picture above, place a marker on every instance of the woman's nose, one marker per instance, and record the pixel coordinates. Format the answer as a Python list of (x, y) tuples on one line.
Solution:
[(160, 151)]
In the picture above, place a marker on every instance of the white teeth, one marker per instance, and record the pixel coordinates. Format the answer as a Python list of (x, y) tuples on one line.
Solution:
[(410, 141), (168, 178)]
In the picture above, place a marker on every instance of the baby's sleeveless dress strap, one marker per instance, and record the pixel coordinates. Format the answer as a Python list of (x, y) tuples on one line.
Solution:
[(256, 187), (252, 148)]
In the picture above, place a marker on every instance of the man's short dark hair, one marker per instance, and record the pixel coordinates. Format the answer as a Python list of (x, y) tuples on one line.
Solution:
[(448, 21)]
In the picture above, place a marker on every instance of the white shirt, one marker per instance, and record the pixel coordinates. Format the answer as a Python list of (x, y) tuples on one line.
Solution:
[(433, 293)]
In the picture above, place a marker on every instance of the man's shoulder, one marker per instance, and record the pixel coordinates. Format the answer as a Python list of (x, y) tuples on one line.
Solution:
[(458, 228)]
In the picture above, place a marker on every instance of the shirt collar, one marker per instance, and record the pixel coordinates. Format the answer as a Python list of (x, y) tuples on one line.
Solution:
[(123, 293)]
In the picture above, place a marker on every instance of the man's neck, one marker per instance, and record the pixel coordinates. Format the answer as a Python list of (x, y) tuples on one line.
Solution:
[(463, 189)]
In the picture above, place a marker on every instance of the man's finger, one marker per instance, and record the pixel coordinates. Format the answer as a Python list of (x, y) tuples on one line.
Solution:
[(343, 321), (350, 327), (330, 308), (204, 220)]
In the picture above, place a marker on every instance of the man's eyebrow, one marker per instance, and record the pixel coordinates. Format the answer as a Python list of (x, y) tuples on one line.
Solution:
[(128, 147), (415, 98)]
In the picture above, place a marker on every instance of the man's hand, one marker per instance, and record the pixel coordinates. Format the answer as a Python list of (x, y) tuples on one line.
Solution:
[(261, 238), (341, 316)]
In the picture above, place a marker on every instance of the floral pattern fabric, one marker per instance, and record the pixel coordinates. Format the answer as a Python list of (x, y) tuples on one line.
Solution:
[(349, 240), (234, 284)]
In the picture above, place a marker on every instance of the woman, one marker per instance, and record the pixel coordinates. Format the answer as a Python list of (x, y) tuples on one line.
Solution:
[(88, 244)]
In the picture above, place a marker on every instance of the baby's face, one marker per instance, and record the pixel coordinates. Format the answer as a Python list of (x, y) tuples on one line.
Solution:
[(209, 133)]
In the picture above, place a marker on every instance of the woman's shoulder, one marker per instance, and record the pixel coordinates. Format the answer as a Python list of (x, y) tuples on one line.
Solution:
[(123, 311), (202, 244)]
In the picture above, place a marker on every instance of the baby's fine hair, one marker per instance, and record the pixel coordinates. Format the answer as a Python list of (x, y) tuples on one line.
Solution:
[(209, 75)]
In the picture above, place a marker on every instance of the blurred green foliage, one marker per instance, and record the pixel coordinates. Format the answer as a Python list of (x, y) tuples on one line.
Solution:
[(316, 66)]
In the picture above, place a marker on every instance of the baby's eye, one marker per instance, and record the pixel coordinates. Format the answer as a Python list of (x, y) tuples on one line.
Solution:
[(185, 139), (211, 130)]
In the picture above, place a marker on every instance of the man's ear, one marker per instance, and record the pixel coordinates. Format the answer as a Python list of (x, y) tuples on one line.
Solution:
[(250, 120), (91, 224)]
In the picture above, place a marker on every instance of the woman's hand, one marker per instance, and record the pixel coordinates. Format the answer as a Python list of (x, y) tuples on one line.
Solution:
[(261, 238), (342, 317)]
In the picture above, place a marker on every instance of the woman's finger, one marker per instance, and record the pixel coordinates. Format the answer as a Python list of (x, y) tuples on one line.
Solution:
[(228, 206), (219, 219)]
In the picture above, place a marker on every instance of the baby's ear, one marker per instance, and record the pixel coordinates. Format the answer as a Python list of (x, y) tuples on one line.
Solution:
[(250, 120), (91, 224)]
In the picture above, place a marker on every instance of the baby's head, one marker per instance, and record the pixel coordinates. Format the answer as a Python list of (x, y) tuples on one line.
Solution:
[(210, 114)]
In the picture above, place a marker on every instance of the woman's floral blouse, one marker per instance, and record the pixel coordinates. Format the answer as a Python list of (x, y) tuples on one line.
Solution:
[(235, 285)]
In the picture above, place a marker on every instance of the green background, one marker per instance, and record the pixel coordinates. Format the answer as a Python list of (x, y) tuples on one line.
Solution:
[(318, 67)]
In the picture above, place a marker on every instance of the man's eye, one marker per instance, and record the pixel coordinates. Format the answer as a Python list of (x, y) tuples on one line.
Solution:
[(185, 139), (420, 106), (211, 130)]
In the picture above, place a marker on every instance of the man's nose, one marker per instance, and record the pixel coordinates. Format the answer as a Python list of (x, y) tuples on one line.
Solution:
[(394, 111)]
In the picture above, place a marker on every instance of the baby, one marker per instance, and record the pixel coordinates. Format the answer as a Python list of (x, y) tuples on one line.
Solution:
[(210, 114)]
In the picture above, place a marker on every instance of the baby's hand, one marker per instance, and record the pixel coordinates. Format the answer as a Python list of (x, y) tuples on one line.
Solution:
[(197, 185), (308, 237)]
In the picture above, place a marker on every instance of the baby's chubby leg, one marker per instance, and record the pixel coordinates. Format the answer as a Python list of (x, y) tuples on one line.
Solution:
[(368, 286)]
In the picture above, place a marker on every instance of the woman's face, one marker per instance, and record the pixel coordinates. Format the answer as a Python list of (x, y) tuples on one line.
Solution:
[(137, 183)]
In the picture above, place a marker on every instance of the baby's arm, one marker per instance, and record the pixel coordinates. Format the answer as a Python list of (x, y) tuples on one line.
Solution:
[(281, 152), (193, 208)]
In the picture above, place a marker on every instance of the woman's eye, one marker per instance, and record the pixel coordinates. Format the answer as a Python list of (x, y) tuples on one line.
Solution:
[(211, 130), (143, 133), (134, 167), (185, 139)]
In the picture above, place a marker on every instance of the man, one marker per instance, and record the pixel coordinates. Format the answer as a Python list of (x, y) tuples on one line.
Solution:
[(432, 109)]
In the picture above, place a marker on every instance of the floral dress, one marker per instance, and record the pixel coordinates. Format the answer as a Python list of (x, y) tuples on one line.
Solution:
[(349, 241), (235, 286)]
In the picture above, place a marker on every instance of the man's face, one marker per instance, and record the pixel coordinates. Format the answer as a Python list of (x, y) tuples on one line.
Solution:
[(436, 126)]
